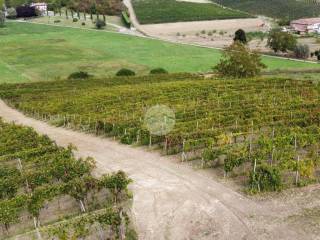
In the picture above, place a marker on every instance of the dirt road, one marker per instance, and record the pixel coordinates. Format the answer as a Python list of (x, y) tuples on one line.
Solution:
[(172, 200)]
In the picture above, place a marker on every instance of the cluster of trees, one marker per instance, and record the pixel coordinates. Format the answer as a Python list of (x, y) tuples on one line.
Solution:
[(238, 60), (108, 7)]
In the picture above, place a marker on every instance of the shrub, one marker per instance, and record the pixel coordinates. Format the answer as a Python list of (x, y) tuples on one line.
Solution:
[(317, 54), (26, 11), (100, 24), (281, 41), (158, 71), (57, 21), (75, 20), (11, 13), (283, 22), (302, 51), (265, 178), (125, 72), (2, 19), (240, 35), (79, 75), (239, 62), (83, 24)]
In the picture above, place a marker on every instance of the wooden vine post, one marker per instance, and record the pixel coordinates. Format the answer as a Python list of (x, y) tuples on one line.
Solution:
[(298, 160), (36, 221)]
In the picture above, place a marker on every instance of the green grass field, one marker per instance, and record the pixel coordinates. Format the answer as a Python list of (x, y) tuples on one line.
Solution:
[(32, 52), (163, 11)]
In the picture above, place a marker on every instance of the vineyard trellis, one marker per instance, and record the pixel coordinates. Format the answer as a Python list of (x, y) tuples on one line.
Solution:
[(281, 9), (247, 124), (34, 171)]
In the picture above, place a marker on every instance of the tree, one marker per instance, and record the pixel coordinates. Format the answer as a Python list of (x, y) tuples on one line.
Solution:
[(302, 51), (2, 19), (11, 13), (240, 35), (281, 41), (239, 62)]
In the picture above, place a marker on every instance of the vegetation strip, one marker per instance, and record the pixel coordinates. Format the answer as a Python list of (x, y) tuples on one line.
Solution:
[(29, 183), (268, 127)]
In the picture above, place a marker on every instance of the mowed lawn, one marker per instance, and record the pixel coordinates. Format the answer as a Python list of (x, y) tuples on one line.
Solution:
[(32, 52)]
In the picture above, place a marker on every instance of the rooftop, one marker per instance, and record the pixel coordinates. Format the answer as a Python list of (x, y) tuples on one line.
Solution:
[(306, 21)]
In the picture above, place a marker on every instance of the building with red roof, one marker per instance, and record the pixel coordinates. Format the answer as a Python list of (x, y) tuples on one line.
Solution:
[(306, 25)]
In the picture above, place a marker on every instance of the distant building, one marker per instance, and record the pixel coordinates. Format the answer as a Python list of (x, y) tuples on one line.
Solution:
[(306, 25), (42, 7)]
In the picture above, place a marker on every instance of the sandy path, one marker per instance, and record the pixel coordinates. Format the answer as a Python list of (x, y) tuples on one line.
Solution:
[(171, 201)]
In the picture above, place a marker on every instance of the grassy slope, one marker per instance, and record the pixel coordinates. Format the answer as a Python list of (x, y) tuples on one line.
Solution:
[(162, 11), (31, 52), (291, 9)]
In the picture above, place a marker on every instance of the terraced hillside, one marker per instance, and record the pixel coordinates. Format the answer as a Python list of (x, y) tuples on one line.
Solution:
[(46, 193), (265, 130), (290, 9), (164, 11)]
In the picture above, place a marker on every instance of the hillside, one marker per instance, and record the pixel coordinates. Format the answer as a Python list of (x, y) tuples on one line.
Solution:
[(33, 52), (285, 9), (260, 126)]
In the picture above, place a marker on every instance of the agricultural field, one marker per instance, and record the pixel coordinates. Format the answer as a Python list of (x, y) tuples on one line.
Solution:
[(33, 52), (264, 131), (164, 11), (285, 9), (46, 193)]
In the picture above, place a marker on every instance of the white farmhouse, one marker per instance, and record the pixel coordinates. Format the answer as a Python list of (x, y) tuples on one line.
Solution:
[(306, 25), (314, 28), (42, 7)]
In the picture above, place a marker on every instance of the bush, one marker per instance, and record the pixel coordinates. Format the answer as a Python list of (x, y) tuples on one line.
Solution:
[(26, 11), (83, 24), (11, 13), (240, 35), (281, 41), (284, 22), (317, 54), (2, 19), (158, 71), (302, 51), (265, 178), (239, 62), (125, 72), (100, 24), (57, 21), (79, 75), (75, 20)]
